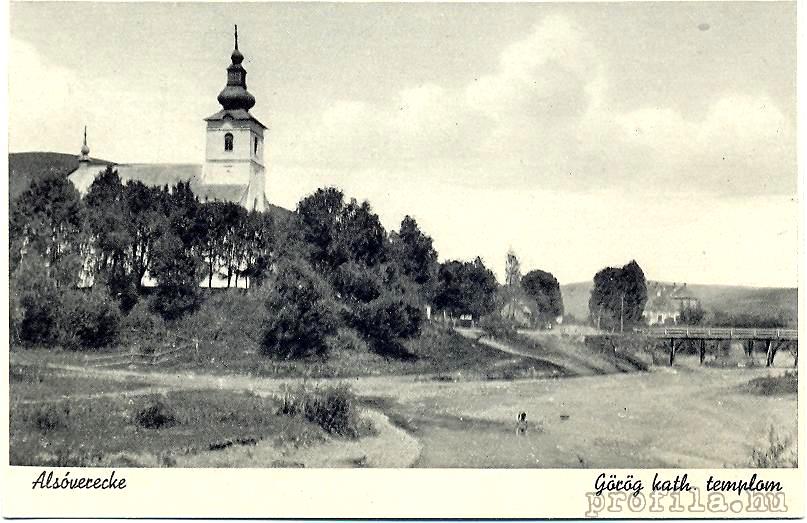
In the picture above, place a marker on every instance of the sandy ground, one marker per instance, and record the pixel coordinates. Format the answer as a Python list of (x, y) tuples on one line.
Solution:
[(679, 417)]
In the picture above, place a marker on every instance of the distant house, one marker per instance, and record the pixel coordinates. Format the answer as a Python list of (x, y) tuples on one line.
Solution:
[(665, 301)]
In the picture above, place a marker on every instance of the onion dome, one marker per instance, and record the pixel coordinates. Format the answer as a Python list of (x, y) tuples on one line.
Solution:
[(235, 94), (85, 149)]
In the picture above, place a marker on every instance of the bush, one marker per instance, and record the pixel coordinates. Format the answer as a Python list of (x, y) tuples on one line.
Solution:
[(495, 326), (346, 340), (34, 303), (332, 408), (387, 319), (178, 272), (301, 314), (51, 417), (156, 414), (787, 383), (90, 319), (141, 323), (778, 452)]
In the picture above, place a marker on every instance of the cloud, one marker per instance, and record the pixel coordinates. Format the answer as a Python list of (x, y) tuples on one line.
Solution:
[(545, 118), (52, 101)]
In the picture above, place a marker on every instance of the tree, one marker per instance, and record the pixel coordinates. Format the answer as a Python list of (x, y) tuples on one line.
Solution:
[(512, 282), (147, 219), (380, 304), (691, 315), (414, 253), (465, 288), (301, 314), (337, 232), (318, 215), (111, 234), (255, 257), (177, 271), (34, 301), (359, 236), (47, 219), (544, 290), (618, 297)]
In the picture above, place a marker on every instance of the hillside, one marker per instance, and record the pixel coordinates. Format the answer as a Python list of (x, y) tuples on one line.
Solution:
[(23, 167), (729, 299)]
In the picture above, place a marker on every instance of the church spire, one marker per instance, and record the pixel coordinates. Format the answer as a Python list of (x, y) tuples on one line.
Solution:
[(85, 149), (235, 94)]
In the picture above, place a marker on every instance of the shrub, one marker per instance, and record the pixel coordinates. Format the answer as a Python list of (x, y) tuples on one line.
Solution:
[(34, 303), (778, 453), (51, 417), (346, 340), (332, 408), (387, 319), (141, 323), (787, 383), (495, 326), (89, 319), (301, 314), (156, 414), (178, 272)]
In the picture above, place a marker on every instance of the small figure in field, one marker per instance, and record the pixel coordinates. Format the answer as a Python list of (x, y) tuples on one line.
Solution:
[(521, 425)]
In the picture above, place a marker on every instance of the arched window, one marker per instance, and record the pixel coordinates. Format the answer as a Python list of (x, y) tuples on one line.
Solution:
[(228, 142), (255, 146)]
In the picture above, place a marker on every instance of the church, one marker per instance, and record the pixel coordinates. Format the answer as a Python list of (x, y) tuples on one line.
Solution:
[(233, 169)]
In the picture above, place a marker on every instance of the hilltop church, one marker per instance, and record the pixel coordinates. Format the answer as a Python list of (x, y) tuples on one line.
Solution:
[(233, 169)]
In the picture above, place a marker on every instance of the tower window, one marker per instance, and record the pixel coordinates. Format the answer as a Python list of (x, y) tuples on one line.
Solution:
[(255, 146), (228, 142)]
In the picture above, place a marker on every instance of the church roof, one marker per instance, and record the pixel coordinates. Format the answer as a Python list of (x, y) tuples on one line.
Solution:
[(160, 173), (235, 114)]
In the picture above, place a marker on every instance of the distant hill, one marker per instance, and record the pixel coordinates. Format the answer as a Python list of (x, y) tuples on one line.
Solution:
[(729, 299), (24, 167)]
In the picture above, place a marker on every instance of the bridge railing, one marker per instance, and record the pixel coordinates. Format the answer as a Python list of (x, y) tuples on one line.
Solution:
[(720, 332)]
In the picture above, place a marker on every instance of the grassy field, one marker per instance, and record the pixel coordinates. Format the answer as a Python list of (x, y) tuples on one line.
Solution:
[(687, 416), (437, 351), (61, 418)]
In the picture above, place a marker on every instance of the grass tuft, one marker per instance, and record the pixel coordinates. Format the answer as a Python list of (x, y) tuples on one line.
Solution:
[(333, 408)]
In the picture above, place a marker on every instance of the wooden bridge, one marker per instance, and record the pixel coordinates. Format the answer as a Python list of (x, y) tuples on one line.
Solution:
[(774, 339)]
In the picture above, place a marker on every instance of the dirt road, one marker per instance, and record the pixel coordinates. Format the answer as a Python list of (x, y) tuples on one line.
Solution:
[(665, 418)]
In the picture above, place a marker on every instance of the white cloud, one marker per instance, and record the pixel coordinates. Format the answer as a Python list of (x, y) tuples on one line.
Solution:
[(543, 119)]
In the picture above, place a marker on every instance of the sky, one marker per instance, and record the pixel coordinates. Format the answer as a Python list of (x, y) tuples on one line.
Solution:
[(578, 135)]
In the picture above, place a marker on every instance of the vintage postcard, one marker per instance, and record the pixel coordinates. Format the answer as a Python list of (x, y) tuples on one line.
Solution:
[(403, 260)]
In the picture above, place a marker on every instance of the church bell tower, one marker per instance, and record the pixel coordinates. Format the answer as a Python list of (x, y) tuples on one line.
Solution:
[(234, 144)]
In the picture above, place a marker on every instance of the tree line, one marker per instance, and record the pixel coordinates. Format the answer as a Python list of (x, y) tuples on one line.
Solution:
[(78, 262)]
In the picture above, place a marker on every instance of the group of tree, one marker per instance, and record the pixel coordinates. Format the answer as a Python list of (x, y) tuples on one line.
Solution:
[(332, 265), (618, 297), (349, 273), (119, 235)]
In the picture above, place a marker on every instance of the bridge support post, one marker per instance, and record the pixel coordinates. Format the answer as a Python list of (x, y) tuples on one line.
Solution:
[(672, 351), (703, 350), (770, 353), (749, 348)]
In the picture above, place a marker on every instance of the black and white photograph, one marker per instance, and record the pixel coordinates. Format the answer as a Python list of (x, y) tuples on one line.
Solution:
[(403, 235)]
